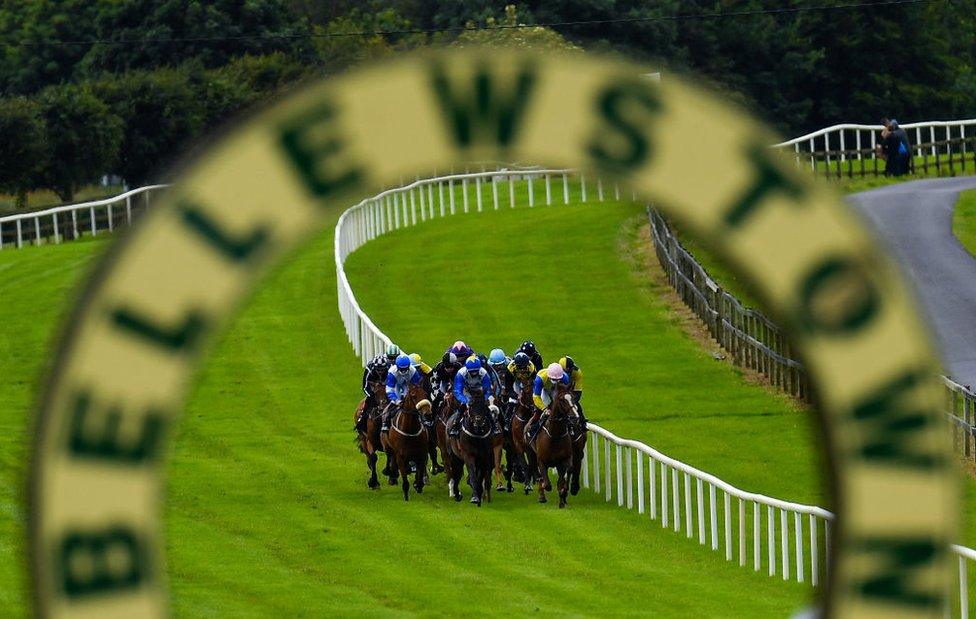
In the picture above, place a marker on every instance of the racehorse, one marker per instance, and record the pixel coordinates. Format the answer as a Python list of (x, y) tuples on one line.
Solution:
[(472, 448), (407, 441), (553, 444), (579, 450), (369, 441), (502, 442), (525, 457), (448, 407)]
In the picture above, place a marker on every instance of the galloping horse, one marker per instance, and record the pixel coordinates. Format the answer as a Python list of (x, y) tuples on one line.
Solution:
[(448, 407), (554, 445), (524, 455), (407, 440), (502, 443), (369, 441), (472, 448)]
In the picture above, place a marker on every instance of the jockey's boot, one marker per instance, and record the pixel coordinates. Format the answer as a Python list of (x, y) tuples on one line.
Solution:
[(361, 422), (386, 420), (535, 427)]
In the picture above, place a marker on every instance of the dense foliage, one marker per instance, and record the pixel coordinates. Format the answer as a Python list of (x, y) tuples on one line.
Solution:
[(157, 74)]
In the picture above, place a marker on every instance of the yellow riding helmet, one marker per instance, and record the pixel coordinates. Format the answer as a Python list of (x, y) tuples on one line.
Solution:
[(415, 359)]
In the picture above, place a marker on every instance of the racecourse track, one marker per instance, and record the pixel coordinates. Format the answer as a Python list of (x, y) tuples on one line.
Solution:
[(915, 220)]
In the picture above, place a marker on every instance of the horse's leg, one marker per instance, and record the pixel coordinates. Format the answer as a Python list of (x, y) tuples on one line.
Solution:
[(421, 476), (371, 458), (404, 467), (563, 483), (499, 476), (530, 468), (543, 480), (474, 479), (510, 465), (435, 468), (574, 486)]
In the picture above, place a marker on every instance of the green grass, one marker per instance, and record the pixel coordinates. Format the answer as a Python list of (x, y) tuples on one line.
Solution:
[(964, 220), (267, 512)]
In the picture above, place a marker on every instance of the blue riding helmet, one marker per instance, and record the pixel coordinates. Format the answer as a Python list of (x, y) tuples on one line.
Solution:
[(473, 364), (497, 356), (521, 360), (403, 362)]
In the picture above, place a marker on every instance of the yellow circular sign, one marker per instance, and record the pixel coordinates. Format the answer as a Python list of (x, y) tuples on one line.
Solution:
[(166, 287)]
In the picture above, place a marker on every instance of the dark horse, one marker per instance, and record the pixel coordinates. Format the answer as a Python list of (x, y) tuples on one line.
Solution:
[(472, 448), (554, 445), (448, 407), (407, 441), (369, 441), (524, 456)]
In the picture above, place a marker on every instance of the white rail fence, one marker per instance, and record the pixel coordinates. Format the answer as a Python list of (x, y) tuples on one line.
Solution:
[(73, 221), (789, 540), (929, 137)]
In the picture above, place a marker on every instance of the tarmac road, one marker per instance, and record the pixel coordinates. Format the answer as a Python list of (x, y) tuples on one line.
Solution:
[(915, 220)]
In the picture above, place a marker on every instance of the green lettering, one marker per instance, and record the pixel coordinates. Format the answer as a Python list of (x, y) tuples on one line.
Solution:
[(837, 297), (887, 424), (891, 584), (101, 562), (234, 248), (485, 113), (629, 110), (183, 337), (317, 151), (768, 179), (95, 434)]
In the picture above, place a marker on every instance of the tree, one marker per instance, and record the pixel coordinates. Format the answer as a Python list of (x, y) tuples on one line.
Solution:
[(22, 150), (515, 34), (83, 138), (161, 113)]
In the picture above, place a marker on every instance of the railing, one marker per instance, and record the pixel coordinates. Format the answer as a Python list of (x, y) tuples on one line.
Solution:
[(73, 221), (792, 540), (841, 143), (753, 340)]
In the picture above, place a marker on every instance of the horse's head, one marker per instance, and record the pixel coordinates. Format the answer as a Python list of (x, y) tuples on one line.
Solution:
[(379, 393), (563, 405), (478, 412), (413, 396), (525, 396)]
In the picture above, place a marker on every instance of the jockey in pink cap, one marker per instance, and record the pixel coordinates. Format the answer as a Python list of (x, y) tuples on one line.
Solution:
[(542, 391)]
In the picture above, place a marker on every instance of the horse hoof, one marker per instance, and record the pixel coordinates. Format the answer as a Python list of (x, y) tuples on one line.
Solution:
[(392, 481), (373, 484), (527, 490), (562, 504), (500, 487), (543, 499), (458, 497)]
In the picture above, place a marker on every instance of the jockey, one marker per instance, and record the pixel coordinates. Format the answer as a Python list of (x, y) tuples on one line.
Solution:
[(576, 383), (442, 378), (461, 350), (528, 347), (375, 372), (498, 361), (472, 376), (521, 371), (425, 370), (542, 391), (398, 379)]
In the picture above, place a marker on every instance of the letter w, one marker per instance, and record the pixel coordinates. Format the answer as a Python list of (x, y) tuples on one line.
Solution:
[(484, 113)]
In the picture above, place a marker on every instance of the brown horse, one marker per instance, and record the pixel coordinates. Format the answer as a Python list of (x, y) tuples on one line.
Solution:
[(448, 407), (524, 455), (553, 444), (369, 441), (501, 443), (407, 440), (472, 448)]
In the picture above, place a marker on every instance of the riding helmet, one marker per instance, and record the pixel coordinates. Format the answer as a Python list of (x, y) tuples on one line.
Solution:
[(497, 356), (392, 351), (403, 362), (522, 360), (473, 364), (449, 359), (568, 364), (555, 371), (415, 359), (528, 346)]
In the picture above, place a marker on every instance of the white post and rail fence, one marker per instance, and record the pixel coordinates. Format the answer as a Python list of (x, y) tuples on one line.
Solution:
[(782, 538), (779, 538)]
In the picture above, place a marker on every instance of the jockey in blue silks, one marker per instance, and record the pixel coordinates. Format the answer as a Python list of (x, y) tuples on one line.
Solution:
[(473, 376), (399, 378)]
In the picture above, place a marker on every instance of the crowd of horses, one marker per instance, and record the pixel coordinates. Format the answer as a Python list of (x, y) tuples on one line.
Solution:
[(417, 432)]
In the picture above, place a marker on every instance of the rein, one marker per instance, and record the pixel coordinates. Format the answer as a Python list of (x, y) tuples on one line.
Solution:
[(393, 426)]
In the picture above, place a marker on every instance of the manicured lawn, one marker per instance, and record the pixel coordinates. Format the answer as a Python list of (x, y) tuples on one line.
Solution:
[(267, 509), (964, 220)]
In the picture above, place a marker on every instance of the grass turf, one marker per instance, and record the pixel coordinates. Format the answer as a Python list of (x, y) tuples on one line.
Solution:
[(964, 220), (267, 513)]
